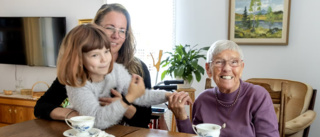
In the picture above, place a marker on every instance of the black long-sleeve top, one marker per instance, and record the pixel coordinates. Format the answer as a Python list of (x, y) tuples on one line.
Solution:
[(57, 93)]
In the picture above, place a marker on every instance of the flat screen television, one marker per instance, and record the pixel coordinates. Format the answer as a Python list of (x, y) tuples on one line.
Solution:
[(33, 41)]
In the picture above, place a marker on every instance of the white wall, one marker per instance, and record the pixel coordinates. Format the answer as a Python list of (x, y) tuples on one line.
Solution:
[(205, 21), (71, 9)]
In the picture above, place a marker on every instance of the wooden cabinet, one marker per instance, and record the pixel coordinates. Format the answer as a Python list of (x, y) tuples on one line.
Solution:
[(15, 110)]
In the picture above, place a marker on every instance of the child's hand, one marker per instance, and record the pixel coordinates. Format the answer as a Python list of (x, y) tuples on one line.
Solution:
[(108, 100), (136, 88)]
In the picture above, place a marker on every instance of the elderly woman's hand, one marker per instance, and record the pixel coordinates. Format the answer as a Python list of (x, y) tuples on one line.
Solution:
[(177, 101)]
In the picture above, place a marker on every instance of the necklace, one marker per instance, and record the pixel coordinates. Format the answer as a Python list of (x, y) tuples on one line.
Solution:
[(224, 125), (234, 102)]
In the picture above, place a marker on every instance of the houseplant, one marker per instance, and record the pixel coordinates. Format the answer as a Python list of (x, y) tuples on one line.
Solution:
[(183, 63)]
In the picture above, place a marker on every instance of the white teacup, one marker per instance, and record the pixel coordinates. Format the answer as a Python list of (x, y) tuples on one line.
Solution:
[(82, 124), (207, 130)]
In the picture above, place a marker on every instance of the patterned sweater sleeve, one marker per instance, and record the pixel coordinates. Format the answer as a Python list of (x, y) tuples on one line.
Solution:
[(85, 102)]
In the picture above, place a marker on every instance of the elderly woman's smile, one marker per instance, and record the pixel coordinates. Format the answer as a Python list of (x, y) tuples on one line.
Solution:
[(226, 77)]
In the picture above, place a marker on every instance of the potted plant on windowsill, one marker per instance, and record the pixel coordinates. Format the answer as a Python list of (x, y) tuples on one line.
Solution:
[(183, 63)]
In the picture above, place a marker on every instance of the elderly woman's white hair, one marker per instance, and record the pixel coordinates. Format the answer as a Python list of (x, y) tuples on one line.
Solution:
[(221, 45)]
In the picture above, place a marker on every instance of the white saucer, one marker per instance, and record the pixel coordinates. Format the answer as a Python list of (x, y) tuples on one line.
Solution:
[(72, 132)]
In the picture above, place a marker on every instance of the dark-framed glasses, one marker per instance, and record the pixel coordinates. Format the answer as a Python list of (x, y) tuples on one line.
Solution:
[(221, 62), (112, 30)]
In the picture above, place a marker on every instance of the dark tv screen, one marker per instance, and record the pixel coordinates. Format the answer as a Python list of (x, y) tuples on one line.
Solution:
[(33, 41)]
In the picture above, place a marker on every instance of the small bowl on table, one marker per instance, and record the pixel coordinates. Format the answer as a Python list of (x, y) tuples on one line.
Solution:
[(7, 92)]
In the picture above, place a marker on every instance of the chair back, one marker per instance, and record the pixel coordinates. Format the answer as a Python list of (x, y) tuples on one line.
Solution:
[(298, 96), (208, 83), (279, 102)]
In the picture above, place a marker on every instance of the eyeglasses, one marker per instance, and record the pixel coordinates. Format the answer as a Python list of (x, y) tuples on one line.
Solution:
[(112, 30), (221, 62)]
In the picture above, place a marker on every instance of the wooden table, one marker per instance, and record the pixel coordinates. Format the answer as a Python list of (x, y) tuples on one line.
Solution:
[(46, 128)]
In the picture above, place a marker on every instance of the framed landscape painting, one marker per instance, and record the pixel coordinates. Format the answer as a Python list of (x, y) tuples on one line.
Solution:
[(259, 22)]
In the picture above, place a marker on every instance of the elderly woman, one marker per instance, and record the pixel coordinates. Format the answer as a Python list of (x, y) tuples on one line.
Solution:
[(240, 108)]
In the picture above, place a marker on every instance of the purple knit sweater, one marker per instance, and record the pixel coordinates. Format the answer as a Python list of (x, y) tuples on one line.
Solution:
[(252, 115)]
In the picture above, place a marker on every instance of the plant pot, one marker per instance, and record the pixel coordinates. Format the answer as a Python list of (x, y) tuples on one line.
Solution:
[(185, 85)]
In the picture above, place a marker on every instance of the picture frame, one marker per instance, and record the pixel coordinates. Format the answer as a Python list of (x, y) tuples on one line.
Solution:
[(84, 21), (259, 22)]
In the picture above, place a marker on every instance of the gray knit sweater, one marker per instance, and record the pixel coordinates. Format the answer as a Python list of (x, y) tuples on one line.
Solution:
[(85, 99)]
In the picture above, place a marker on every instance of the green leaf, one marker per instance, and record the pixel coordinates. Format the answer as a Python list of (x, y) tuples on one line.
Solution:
[(201, 69), (204, 48), (179, 50), (189, 77), (164, 73), (194, 63), (179, 71), (198, 76)]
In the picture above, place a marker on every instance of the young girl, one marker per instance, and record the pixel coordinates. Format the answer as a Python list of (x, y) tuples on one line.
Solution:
[(85, 66)]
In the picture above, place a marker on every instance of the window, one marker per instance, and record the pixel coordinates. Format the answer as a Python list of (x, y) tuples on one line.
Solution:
[(153, 28)]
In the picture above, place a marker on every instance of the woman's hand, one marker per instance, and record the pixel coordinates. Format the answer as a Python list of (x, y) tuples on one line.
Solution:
[(108, 100), (177, 101), (136, 88)]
